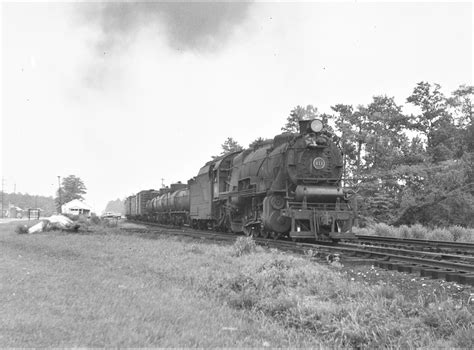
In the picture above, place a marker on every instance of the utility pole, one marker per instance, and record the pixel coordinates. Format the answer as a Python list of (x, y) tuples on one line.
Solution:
[(162, 183), (3, 183), (59, 193)]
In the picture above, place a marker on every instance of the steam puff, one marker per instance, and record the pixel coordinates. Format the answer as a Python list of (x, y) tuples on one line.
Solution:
[(185, 26)]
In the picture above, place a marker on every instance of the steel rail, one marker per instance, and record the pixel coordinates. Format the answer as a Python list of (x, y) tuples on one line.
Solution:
[(423, 242), (421, 253)]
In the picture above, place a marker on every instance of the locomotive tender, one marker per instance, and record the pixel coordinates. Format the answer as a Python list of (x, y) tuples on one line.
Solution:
[(288, 186)]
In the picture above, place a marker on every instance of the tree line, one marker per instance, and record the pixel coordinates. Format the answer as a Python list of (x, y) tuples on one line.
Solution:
[(72, 187), (27, 201), (406, 168)]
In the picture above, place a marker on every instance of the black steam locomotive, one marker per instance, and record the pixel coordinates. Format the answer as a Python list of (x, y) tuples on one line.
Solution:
[(289, 186)]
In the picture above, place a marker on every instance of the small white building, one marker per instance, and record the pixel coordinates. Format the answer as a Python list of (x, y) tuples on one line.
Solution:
[(77, 207)]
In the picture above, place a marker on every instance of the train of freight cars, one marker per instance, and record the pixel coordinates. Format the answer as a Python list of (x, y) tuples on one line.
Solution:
[(290, 186)]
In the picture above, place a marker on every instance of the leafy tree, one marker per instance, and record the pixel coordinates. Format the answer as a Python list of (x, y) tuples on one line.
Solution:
[(258, 142), (443, 120), (352, 126), (325, 118), (230, 146), (413, 151), (299, 113), (432, 103), (385, 126), (28, 201), (436, 194), (445, 142), (469, 138), (426, 178), (72, 187), (462, 103)]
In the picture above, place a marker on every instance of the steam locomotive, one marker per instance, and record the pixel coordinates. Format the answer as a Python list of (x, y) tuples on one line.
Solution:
[(290, 186)]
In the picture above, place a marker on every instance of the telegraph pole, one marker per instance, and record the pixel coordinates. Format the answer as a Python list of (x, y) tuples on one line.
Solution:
[(59, 193), (3, 183)]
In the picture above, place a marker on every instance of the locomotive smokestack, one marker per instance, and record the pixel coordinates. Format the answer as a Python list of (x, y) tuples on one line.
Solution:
[(304, 126)]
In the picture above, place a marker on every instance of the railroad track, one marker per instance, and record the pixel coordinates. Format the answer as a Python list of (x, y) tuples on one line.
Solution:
[(402, 255), (451, 267)]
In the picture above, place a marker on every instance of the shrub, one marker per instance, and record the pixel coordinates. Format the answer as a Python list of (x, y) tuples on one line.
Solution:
[(384, 230), (468, 236), (82, 220), (363, 231), (462, 234), (244, 245), (418, 231), (72, 217), (456, 232), (440, 234), (21, 229), (404, 231), (95, 219)]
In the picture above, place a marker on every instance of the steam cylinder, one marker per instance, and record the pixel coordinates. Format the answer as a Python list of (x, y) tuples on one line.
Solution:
[(318, 194)]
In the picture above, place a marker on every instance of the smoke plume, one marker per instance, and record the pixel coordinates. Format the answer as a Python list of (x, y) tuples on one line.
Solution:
[(184, 25)]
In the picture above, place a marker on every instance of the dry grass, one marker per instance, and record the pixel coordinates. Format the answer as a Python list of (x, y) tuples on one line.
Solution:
[(104, 289), (453, 233)]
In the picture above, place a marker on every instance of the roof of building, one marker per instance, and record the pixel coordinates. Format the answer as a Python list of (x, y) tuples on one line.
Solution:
[(76, 204)]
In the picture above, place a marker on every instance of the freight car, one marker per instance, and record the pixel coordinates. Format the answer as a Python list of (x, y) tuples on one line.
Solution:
[(290, 186), (171, 206), (136, 205)]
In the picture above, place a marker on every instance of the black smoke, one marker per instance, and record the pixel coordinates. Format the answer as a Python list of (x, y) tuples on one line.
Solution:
[(185, 26)]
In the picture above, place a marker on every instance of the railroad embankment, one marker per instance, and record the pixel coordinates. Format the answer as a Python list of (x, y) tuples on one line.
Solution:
[(107, 287)]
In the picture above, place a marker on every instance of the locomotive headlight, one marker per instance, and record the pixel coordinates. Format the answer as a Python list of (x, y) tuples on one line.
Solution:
[(316, 125)]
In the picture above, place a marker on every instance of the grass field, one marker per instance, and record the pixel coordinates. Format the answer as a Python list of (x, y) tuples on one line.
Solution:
[(110, 288)]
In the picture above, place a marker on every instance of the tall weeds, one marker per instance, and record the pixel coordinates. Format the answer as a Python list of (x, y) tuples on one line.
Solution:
[(454, 233), (343, 314)]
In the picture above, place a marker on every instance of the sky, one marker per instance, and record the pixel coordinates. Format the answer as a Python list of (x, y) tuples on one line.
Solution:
[(124, 95)]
